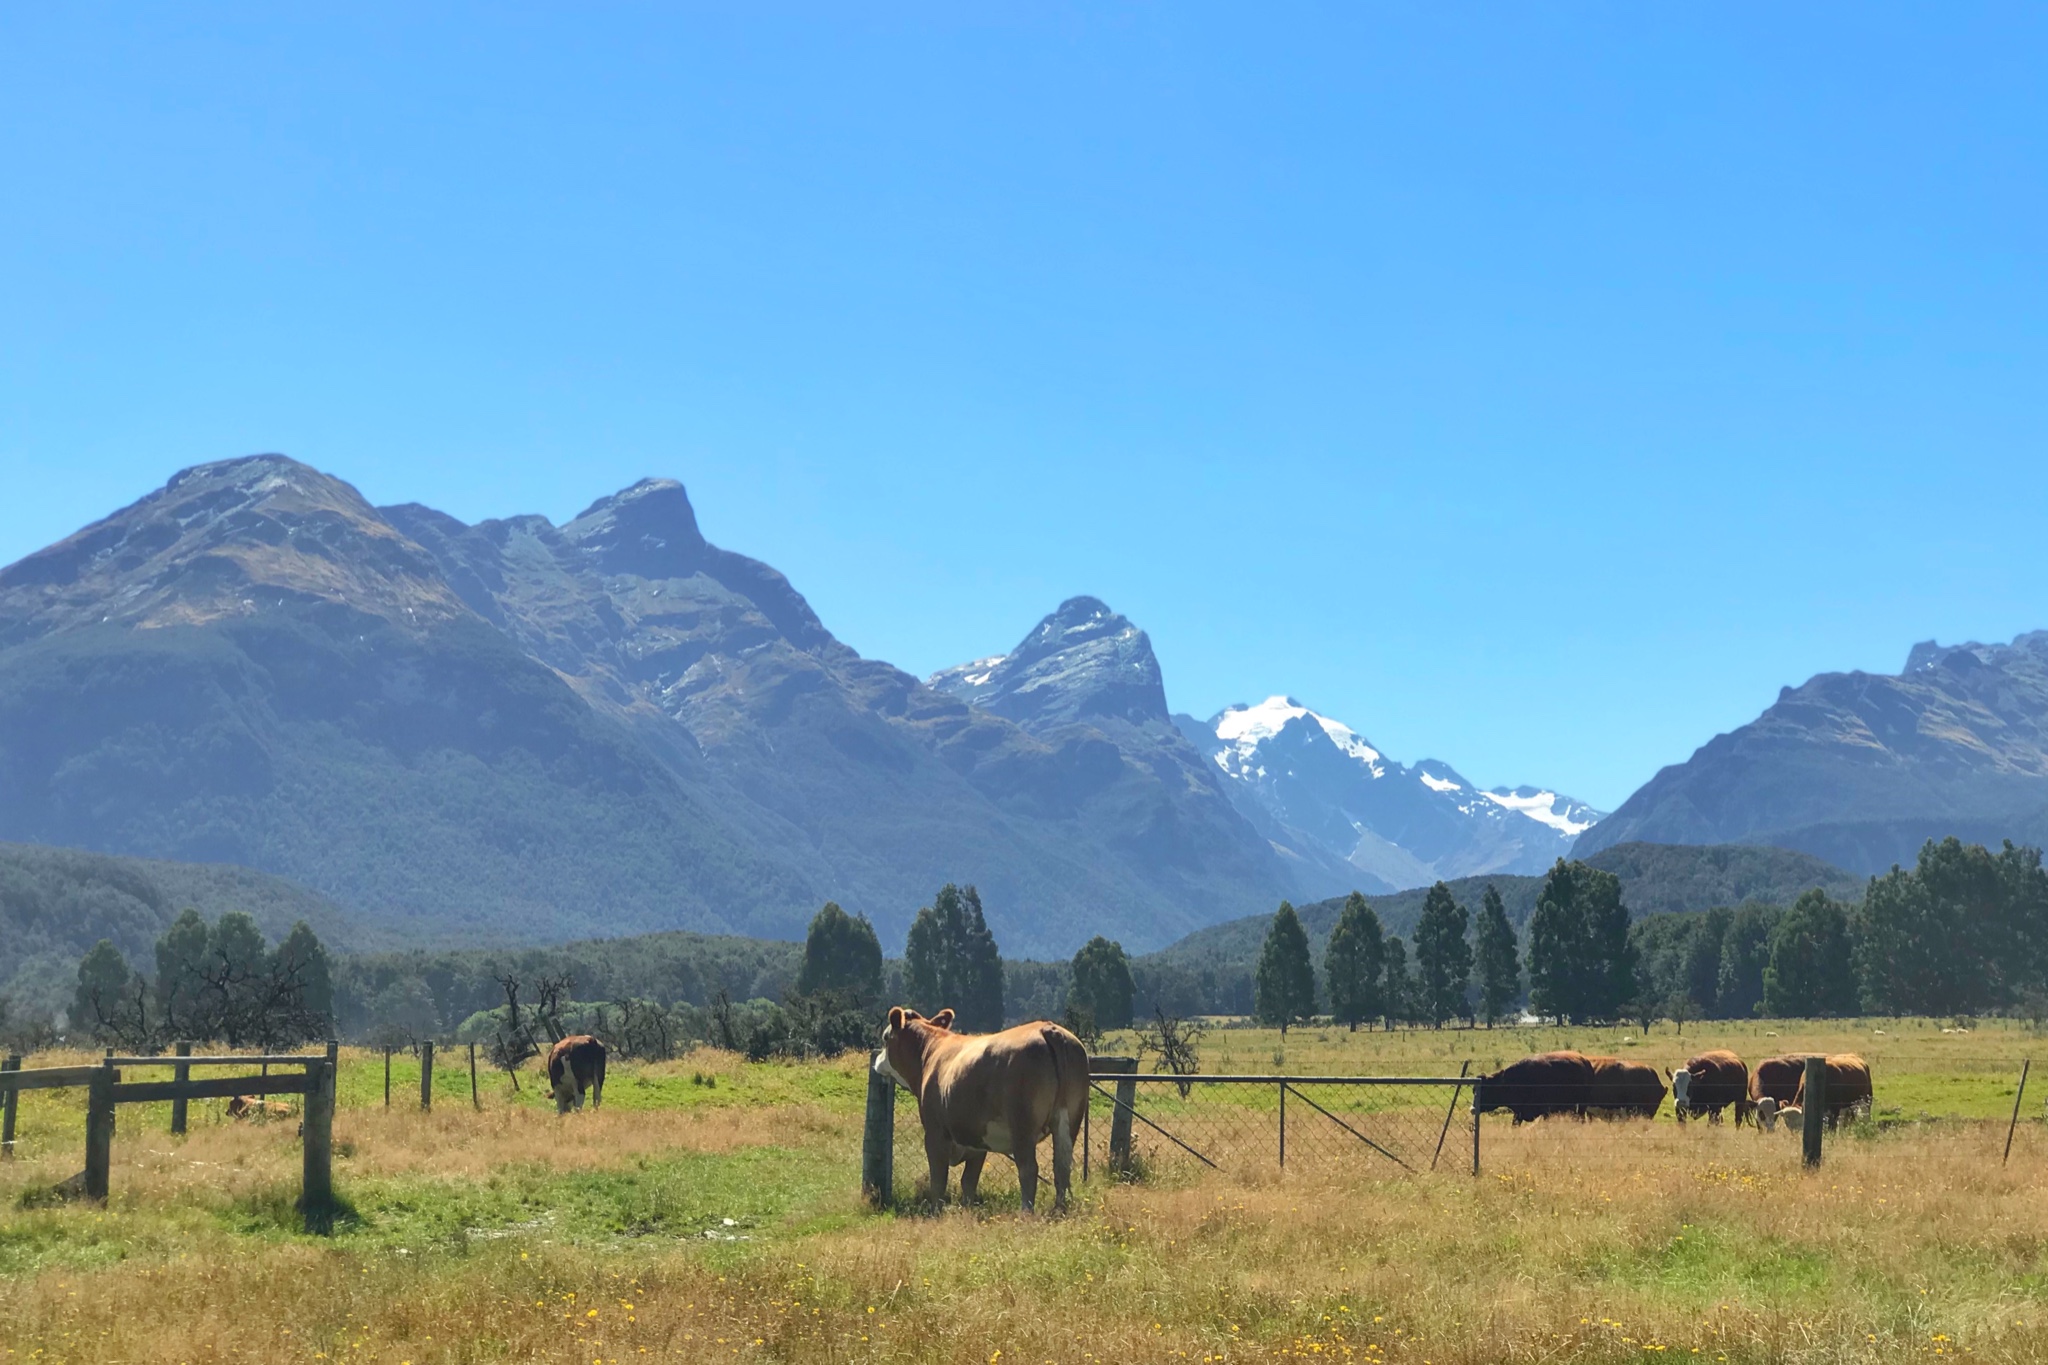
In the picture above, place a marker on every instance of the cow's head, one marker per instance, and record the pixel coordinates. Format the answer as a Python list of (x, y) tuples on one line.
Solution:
[(1681, 1087), (903, 1042), (1793, 1116), (1767, 1113)]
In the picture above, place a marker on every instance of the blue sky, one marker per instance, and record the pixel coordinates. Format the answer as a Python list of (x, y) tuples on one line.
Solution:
[(1533, 388)]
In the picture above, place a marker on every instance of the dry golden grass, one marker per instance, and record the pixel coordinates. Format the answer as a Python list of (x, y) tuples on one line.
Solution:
[(1594, 1241)]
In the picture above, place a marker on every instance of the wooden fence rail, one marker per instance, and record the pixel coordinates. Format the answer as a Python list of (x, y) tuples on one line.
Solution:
[(105, 1089)]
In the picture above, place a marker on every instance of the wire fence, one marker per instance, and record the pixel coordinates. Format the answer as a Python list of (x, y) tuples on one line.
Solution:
[(1163, 1127)]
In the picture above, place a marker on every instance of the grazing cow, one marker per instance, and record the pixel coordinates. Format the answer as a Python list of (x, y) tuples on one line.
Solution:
[(996, 1092), (1766, 1114), (1710, 1083), (1625, 1087), (1848, 1087), (576, 1065), (1548, 1083), (1778, 1078), (249, 1107)]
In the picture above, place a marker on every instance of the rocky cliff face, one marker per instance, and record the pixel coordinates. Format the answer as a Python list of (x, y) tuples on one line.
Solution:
[(1861, 768), (534, 731)]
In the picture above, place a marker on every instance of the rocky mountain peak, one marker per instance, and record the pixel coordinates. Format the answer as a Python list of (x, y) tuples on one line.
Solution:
[(649, 529), (231, 538), (1083, 663)]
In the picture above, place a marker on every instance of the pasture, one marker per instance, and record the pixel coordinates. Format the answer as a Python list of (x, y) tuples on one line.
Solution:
[(710, 1212)]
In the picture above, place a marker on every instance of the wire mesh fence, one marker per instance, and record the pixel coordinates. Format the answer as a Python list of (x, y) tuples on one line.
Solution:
[(1162, 1127)]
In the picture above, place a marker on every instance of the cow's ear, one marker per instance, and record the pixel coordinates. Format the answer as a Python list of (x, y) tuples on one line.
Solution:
[(896, 1016), (944, 1018)]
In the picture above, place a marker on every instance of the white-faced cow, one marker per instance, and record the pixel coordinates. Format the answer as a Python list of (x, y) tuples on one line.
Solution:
[(1710, 1083), (998, 1092), (576, 1066)]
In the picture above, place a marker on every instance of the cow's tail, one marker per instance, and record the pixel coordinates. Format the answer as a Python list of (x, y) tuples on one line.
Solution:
[(1065, 1116)]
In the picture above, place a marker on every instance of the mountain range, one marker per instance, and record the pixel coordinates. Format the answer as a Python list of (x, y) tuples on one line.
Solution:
[(1863, 768)]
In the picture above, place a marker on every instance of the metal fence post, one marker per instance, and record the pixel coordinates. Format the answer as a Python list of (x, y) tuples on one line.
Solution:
[(878, 1141), (1283, 1125), (316, 1181), (387, 1078), (1476, 1112), (181, 1073), (2026, 1065), (1120, 1163), (1816, 1106), (99, 1130), (13, 1063), (427, 1074), (475, 1102)]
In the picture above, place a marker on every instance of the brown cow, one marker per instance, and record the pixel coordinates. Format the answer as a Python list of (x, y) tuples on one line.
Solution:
[(1848, 1087), (1626, 1087), (1548, 1083), (997, 1092), (576, 1064), (1778, 1077), (1710, 1083), (249, 1107)]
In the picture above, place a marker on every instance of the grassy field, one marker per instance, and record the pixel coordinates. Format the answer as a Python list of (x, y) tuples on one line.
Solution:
[(709, 1212)]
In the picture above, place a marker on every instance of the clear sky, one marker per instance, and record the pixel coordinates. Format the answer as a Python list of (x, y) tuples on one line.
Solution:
[(1537, 388)]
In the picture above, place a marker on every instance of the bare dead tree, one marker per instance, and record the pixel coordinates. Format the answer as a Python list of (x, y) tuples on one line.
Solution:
[(1175, 1043), (724, 1024), (550, 994), (511, 1045)]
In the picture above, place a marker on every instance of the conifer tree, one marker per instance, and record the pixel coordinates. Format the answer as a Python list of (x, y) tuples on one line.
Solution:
[(1500, 970), (1399, 990), (1284, 986), (841, 954), (1354, 964), (1811, 971), (1443, 959), (1102, 983), (950, 960)]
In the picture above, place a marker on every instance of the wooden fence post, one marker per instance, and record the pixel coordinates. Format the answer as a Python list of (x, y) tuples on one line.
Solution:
[(99, 1131), (316, 1181), (1476, 1112), (13, 1063), (427, 1074), (474, 1101), (181, 1073), (1120, 1164), (387, 1078), (878, 1142), (1815, 1108)]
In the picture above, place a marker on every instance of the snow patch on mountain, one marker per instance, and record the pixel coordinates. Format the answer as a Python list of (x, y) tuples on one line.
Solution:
[(1561, 813), (1245, 728)]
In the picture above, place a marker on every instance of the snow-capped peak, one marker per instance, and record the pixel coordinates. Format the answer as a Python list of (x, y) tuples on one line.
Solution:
[(1245, 727), (1561, 813)]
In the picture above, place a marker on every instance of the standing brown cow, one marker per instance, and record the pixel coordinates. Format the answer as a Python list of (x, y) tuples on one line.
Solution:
[(1778, 1078), (1848, 1087), (1710, 1083), (1627, 1087), (1548, 1083), (997, 1092), (576, 1065)]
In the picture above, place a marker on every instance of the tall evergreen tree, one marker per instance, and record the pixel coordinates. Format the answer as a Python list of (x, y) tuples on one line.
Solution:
[(950, 960), (1581, 963), (1399, 989), (841, 954), (1102, 983), (1701, 982), (1354, 964), (1812, 971), (1960, 933), (105, 997), (301, 961), (1500, 969), (1443, 959), (181, 971), (1745, 950), (1284, 986)]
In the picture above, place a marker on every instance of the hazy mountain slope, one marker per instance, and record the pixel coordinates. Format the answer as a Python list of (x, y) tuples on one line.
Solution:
[(57, 902), (1313, 784), (1654, 878), (526, 732), (1863, 768)]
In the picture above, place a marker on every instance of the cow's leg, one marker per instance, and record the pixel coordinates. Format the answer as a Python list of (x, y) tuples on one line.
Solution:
[(936, 1160), (1062, 1158), (970, 1178), (1027, 1173)]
